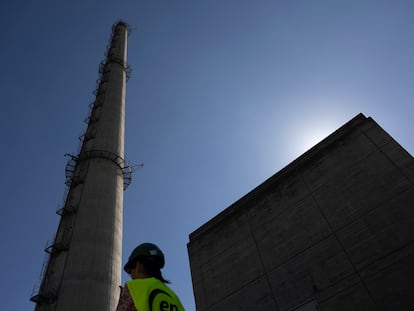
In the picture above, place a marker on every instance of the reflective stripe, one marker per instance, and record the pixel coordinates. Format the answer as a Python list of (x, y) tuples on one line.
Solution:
[(153, 295)]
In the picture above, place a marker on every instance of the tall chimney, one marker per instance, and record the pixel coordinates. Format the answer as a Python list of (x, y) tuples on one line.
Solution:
[(82, 270)]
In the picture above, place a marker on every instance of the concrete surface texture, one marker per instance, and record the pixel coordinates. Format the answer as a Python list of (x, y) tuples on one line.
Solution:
[(83, 271), (331, 231)]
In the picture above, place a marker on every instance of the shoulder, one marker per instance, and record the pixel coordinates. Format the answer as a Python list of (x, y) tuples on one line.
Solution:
[(125, 300), (142, 282)]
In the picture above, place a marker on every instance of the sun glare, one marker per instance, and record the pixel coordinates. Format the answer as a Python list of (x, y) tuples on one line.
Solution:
[(306, 137), (312, 137)]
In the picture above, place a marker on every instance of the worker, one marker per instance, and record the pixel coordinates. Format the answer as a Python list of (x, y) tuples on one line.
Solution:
[(147, 291)]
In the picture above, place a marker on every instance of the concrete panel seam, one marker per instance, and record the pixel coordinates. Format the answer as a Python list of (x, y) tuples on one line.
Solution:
[(344, 250)]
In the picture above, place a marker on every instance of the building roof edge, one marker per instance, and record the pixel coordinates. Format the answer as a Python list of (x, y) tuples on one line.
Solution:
[(330, 139)]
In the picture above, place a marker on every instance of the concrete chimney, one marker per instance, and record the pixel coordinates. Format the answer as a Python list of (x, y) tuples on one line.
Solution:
[(82, 270)]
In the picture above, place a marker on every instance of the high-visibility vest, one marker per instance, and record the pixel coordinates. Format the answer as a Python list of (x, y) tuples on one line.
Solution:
[(153, 295)]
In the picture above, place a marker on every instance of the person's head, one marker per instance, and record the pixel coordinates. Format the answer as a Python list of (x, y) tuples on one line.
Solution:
[(145, 261)]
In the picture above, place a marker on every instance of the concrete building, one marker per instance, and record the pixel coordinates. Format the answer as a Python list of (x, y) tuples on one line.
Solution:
[(83, 266), (333, 230)]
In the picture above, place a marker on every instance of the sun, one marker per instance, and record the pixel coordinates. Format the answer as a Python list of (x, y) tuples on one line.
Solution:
[(307, 136)]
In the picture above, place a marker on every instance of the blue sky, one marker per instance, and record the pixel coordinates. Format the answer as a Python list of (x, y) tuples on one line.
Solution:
[(223, 94)]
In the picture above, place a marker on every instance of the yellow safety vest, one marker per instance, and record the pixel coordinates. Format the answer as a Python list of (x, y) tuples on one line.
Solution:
[(153, 295)]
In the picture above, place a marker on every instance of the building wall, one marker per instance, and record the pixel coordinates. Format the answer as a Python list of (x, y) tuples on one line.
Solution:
[(333, 230)]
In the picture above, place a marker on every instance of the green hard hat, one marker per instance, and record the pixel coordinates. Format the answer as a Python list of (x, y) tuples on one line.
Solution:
[(145, 250)]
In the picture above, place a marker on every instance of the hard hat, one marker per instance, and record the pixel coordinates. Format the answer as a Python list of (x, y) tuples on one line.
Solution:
[(145, 250)]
